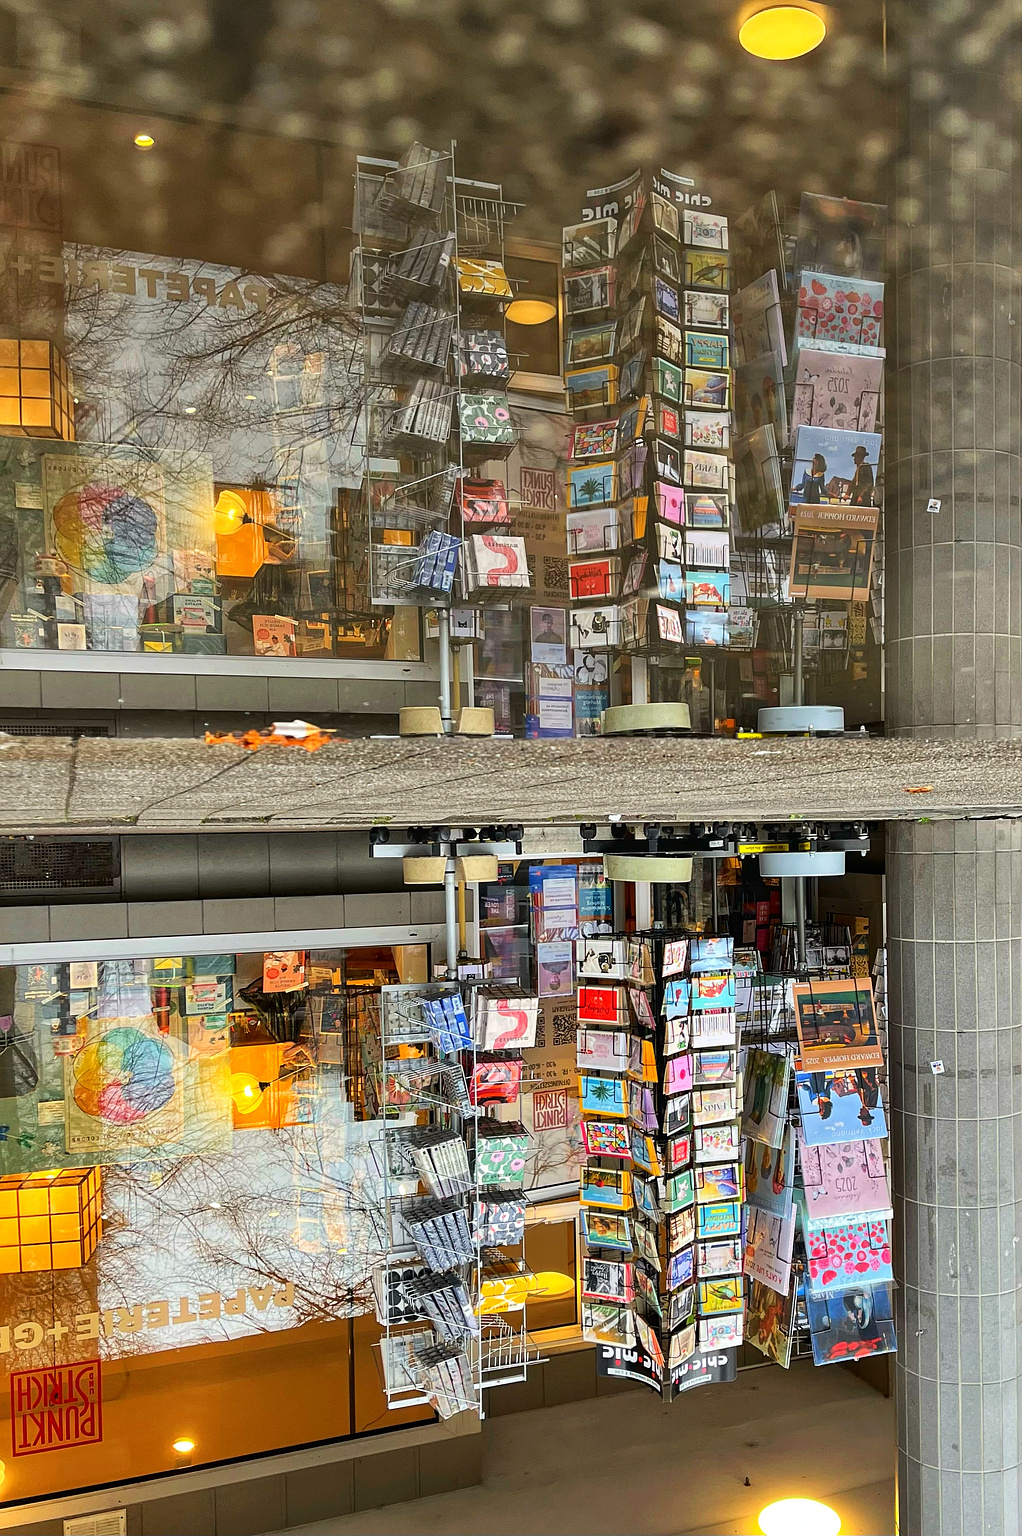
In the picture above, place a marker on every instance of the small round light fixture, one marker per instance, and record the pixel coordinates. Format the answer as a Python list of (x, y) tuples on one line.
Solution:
[(782, 31), (531, 311), (184, 1446), (799, 1517), (144, 141)]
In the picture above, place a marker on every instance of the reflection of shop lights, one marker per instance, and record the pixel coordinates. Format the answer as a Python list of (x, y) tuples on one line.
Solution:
[(184, 1446), (144, 141), (509, 1293), (35, 391), (799, 1517), (782, 31), (246, 1091), (531, 311)]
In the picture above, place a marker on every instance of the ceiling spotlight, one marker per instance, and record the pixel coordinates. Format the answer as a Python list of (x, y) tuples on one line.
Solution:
[(782, 31), (531, 311), (189, 410), (799, 1517), (144, 141), (184, 1446)]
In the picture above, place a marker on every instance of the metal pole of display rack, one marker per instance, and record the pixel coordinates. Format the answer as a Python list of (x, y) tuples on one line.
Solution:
[(446, 692), (451, 912), (798, 698), (798, 676)]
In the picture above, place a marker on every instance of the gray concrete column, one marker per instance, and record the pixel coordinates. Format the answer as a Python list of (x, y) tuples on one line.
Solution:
[(954, 402), (955, 955)]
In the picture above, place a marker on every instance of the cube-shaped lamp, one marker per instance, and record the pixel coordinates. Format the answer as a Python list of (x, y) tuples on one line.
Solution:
[(36, 397), (50, 1220)]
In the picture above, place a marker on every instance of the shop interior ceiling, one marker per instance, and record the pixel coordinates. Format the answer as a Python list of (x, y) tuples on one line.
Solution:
[(52, 784), (548, 97)]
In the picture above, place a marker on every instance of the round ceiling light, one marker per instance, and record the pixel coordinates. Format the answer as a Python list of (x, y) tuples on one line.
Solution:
[(782, 32), (799, 1517), (184, 1446), (531, 311), (144, 141)]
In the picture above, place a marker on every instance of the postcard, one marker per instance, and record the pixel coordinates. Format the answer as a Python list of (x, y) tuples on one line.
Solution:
[(644, 1191), (715, 1143), (678, 1075), (707, 471), (666, 259), (647, 1292), (769, 1321), (589, 290), (609, 1188), (592, 485), (721, 1332), (606, 1050), (707, 349), (633, 372), (669, 625), (836, 389), (670, 502), (667, 380), (838, 235), (680, 1307), (631, 325), (834, 466), (770, 1175), (856, 1253), (767, 1079), (591, 386), (708, 388), (718, 1219), (706, 230), (708, 953), (704, 310), (680, 1269), (724, 1295), (714, 1067), (832, 551), (707, 627), (679, 1185), (677, 1117), (718, 1181), (702, 510), (681, 1229), (707, 269), (714, 1026), (851, 1324), (632, 422), (758, 475), (769, 1244), (843, 1180), (641, 1007), (839, 1106), (707, 429), (674, 957), (644, 1153), (665, 215), (670, 581), (681, 1346), (760, 398), (838, 311), (593, 440), (711, 1105), (720, 1258), (608, 1323), (665, 299), (646, 1244), (595, 629), (593, 532), (712, 991), (589, 343), (601, 1231), (668, 339), (668, 419), (603, 1096), (606, 1280), (837, 1024), (589, 244), (606, 1138)]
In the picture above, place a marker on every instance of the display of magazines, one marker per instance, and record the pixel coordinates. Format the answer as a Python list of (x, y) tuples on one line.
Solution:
[(660, 1094), (649, 365)]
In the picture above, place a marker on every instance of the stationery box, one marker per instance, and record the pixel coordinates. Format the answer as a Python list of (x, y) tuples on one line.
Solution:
[(196, 613), (595, 578), (195, 643)]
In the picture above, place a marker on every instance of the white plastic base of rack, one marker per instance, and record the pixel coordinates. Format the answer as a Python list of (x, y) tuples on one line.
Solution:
[(637, 866), (797, 718), (811, 865), (622, 719)]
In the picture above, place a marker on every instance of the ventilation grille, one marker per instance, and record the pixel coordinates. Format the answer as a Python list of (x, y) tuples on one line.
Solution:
[(45, 864), (46, 728), (109, 1522)]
